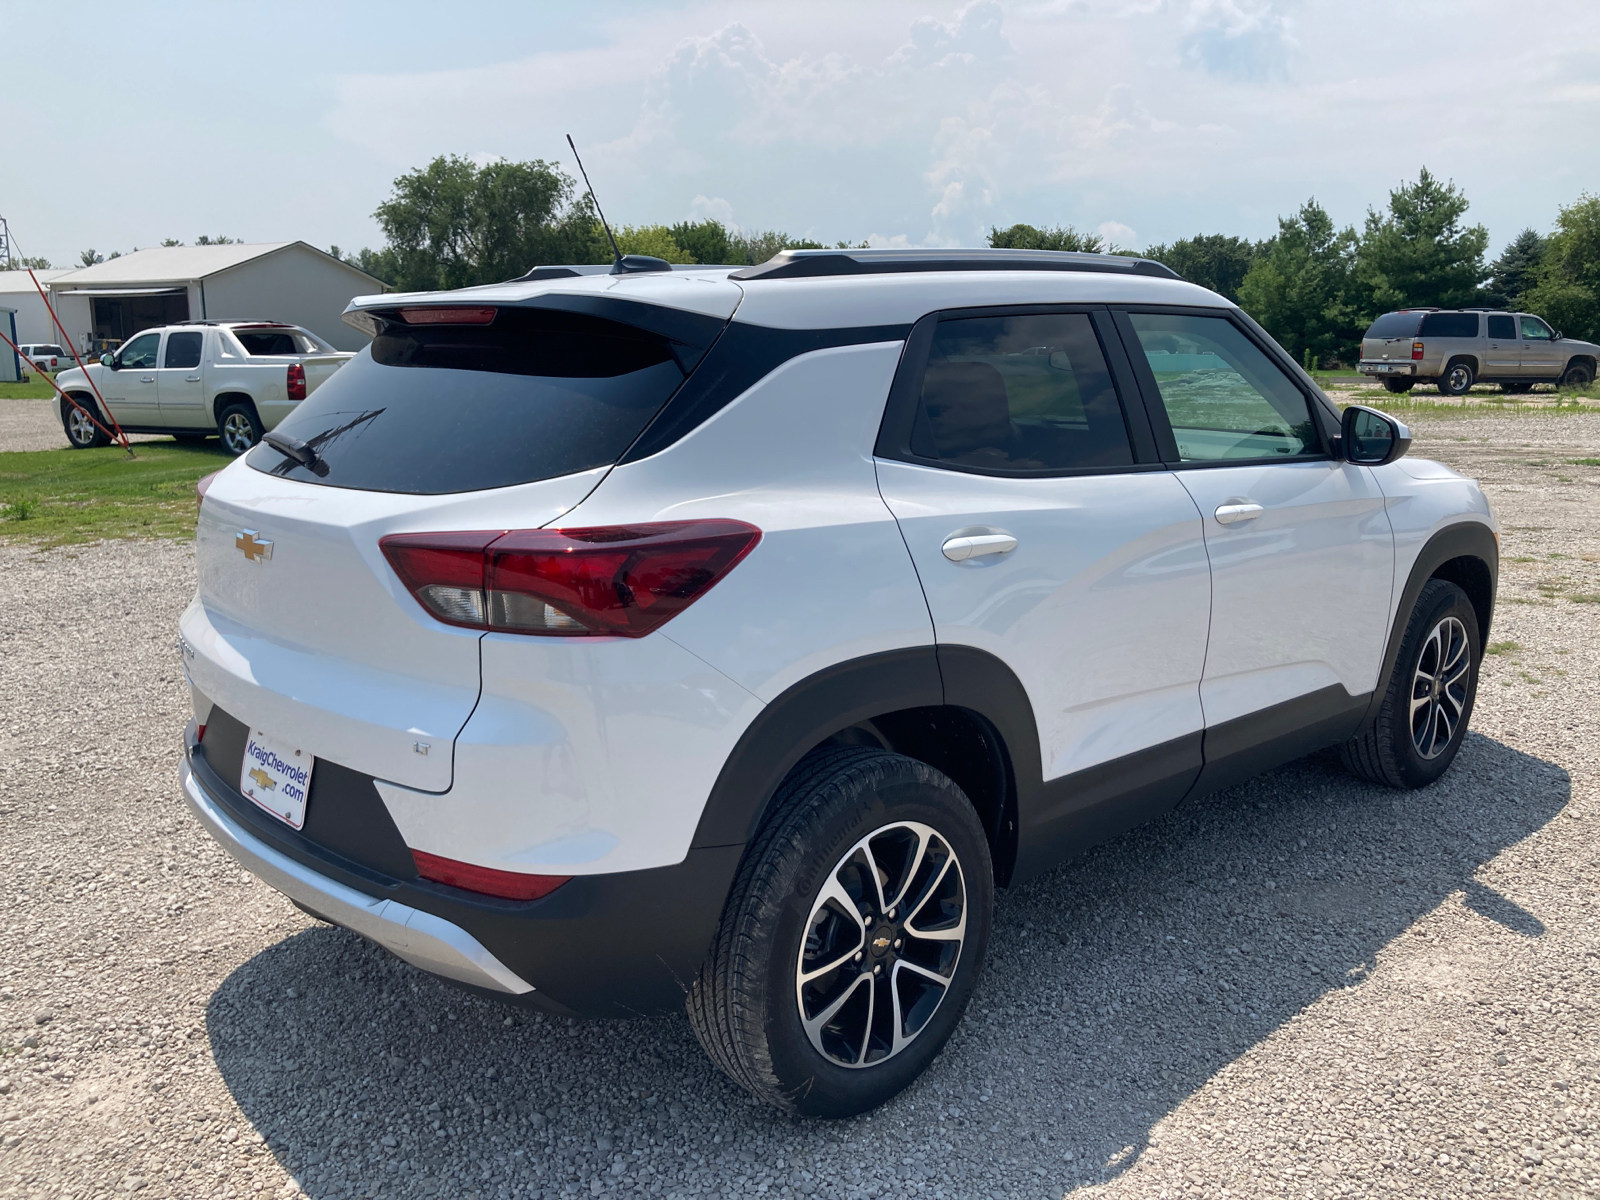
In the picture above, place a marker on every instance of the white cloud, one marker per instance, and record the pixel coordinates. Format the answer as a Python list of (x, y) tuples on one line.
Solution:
[(710, 208), (1119, 235)]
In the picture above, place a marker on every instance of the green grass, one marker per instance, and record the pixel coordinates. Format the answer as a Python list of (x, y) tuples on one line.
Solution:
[(1501, 647), (1584, 462), (58, 497), (34, 389)]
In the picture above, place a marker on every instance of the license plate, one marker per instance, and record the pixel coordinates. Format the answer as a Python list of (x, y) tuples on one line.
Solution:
[(276, 776), (1380, 368)]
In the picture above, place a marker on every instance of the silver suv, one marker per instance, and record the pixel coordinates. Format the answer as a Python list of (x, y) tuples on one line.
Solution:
[(1455, 349)]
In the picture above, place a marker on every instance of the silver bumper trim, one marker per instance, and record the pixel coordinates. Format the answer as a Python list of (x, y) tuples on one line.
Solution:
[(420, 938)]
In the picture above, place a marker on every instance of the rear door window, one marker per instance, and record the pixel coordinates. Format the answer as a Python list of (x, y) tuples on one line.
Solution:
[(1504, 328), (1450, 325), (1024, 394), (183, 349), (1225, 399), (430, 409)]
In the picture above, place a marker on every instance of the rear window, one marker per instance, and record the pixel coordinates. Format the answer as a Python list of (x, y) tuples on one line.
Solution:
[(457, 408), (1395, 325), (262, 342), (1450, 325)]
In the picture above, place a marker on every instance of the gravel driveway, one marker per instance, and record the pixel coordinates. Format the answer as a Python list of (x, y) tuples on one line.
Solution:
[(1303, 986)]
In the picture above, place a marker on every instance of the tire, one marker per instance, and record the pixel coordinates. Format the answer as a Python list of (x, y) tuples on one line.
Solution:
[(1457, 379), (1404, 748), (82, 433), (1398, 386), (239, 427), (791, 903), (1577, 375)]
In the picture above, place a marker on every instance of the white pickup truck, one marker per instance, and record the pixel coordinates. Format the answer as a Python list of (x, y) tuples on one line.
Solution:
[(199, 379)]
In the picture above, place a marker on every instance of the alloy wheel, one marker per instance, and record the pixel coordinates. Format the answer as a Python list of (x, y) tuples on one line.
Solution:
[(1439, 687), (881, 945), (79, 427), (237, 433)]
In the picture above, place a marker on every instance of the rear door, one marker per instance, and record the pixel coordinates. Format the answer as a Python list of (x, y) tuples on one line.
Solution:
[(1502, 355), (182, 394), (1041, 538), (1302, 554), (131, 390), (1450, 335)]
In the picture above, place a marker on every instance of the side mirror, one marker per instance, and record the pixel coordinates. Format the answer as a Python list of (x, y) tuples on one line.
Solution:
[(1371, 438), (109, 361)]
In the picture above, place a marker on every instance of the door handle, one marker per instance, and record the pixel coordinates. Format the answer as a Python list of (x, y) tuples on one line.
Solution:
[(1238, 510), (191, 379), (147, 379), (959, 549)]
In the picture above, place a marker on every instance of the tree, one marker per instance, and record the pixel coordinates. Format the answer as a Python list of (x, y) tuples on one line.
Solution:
[(1299, 285), (1514, 272), (707, 241), (88, 258), (1213, 260), (454, 224), (1566, 291), (654, 240), (27, 264), (171, 242), (1417, 253), (754, 248), (203, 240), (1028, 237)]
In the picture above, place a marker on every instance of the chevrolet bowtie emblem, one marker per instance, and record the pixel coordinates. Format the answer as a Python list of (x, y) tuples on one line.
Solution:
[(263, 781), (256, 549)]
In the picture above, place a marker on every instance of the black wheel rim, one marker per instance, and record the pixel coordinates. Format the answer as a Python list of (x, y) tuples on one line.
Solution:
[(1439, 688), (882, 943)]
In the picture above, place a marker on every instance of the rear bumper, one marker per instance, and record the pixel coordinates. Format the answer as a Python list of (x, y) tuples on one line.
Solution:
[(626, 943), (1387, 368), (420, 938)]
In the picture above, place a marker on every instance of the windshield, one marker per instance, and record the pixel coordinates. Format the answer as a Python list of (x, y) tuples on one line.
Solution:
[(456, 408)]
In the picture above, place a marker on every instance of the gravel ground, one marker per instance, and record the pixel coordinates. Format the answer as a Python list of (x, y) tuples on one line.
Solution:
[(36, 425), (1303, 986)]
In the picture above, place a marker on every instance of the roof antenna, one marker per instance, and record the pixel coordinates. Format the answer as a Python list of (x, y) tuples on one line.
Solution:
[(625, 264)]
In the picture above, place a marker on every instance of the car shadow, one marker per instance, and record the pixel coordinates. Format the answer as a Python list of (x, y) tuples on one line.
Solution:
[(1116, 987)]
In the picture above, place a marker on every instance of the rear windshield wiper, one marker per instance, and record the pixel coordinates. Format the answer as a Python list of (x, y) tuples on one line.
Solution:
[(291, 447)]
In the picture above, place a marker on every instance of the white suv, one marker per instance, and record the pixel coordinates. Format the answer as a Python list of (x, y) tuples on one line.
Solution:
[(615, 643)]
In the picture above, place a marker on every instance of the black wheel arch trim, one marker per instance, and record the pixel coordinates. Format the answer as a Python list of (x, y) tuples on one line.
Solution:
[(1462, 542)]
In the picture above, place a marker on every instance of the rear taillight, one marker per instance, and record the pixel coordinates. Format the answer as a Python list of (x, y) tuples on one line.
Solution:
[(202, 486), (618, 580), (512, 885), (1416, 350), (297, 382)]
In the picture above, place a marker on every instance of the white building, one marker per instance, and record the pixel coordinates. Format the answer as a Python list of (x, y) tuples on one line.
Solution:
[(19, 295), (104, 305)]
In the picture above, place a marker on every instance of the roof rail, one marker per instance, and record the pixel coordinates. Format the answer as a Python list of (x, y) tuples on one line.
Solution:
[(811, 264)]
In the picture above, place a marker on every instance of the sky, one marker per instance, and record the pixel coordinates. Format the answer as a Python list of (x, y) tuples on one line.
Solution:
[(894, 121)]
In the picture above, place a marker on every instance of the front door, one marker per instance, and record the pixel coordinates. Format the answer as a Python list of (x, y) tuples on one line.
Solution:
[(1038, 539), (1541, 359), (1502, 359), (183, 397), (130, 390), (1302, 553)]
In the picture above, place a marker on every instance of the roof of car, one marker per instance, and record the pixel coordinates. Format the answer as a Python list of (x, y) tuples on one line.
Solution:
[(895, 288)]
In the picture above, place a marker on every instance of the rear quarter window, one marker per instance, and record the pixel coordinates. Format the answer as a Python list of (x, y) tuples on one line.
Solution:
[(1450, 325), (455, 408)]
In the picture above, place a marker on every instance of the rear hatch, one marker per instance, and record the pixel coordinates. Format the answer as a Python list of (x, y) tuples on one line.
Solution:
[(1389, 338), (319, 367), (493, 417)]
